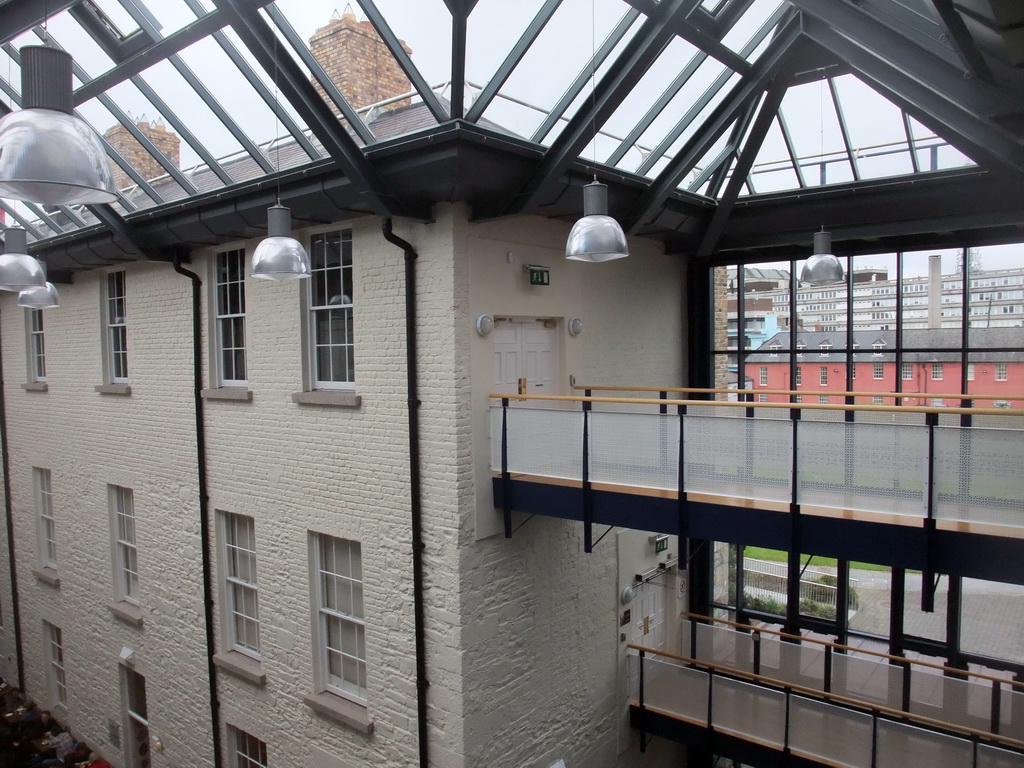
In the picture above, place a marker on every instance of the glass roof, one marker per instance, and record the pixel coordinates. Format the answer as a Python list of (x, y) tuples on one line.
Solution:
[(197, 96)]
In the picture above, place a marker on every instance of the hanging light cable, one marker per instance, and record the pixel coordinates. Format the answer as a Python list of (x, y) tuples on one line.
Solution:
[(279, 256), (823, 267), (597, 236)]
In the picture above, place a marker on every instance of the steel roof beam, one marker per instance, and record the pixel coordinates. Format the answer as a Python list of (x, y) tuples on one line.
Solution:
[(721, 164), (843, 129), (19, 16), (627, 70), (928, 87), (667, 182), (961, 40), (497, 80), (121, 229), (260, 39), (302, 50), (574, 90), (457, 94), (762, 123), (404, 61)]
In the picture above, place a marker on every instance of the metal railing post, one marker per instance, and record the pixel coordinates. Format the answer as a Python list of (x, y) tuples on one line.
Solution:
[(588, 495), (643, 710), (506, 477), (928, 572)]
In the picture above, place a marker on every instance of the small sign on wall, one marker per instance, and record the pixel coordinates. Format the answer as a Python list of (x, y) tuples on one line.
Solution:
[(539, 275)]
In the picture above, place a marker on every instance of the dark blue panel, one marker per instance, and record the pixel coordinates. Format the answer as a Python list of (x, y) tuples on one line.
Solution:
[(645, 513), (739, 525), (899, 546)]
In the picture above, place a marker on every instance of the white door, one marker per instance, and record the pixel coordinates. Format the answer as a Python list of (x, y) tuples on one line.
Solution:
[(648, 614), (525, 352)]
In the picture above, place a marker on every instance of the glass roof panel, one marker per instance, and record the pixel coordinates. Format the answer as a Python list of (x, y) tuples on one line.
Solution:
[(876, 130), (570, 37), (744, 35), (492, 30), (169, 15), (655, 82)]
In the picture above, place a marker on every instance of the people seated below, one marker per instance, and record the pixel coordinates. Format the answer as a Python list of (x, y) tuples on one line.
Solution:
[(33, 724), (94, 761), (56, 752)]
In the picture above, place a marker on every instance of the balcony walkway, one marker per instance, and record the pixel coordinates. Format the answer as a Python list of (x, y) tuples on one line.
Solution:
[(933, 489), (774, 699)]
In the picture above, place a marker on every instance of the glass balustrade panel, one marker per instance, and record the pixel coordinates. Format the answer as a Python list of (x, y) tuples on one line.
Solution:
[(830, 733), (541, 441), (725, 646), (635, 449), (676, 689), (738, 457), (748, 710), (901, 745), (978, 477), (867, 679)]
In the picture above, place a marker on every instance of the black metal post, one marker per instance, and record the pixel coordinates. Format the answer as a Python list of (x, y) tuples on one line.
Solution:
[(588, 497), (643, 710), (928, 572), (506, 477)]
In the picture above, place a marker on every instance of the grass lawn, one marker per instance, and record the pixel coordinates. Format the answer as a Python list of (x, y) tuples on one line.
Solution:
[(779, 556)]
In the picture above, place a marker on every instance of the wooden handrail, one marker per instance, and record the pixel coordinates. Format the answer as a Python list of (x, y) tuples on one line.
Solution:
[(870, 706), (809, 391), (791, 406), (841, 647)]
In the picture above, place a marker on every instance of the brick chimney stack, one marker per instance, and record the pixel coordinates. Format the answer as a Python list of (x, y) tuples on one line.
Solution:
[(358, 61), (131, 150)]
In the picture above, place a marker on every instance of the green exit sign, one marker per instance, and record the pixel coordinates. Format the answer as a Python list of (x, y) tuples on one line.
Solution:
[(661, 545), (539, 275)]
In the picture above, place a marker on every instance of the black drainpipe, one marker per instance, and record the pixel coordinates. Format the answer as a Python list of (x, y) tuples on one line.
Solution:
[(416, 500), (204, 504), (9, 514)]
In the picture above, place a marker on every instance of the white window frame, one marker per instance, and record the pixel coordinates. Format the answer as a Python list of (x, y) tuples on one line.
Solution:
[(906, 371), (823, 375), (878, 400), (763, 376), (135, 714), (239, 577), (246, 750), (36, 345), (799, 378), (822, 399), (970, 371), (54, 640), (1002, 372), (878, 371), (338, 618), (42, 486), (115, 323), (126, 554), (229, 318), (331, 360), (937, 371)]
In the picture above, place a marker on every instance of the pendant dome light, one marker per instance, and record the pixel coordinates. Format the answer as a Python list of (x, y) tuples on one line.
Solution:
[(823, 267), (40, 297), (18, 270), (47, 154), (279, 256), (597, 236)]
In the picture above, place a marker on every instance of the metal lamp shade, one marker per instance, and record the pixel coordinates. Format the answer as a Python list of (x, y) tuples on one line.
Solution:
[(596, 237), (47, 155), (823, 267), (39, 297), (279, 256), (18, 270)]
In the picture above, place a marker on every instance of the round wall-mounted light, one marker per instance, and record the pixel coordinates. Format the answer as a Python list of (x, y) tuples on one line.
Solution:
[(484, 324), (574, 326), (627, 594)]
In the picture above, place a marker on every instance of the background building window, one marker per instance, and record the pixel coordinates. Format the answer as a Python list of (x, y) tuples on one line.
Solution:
[(126, 557), (47, 525), (799, 378), (331, 310), (823, 375), (55, 657), (36, 345), (231, 317), (764, 376), (247, 751), (117, 330), (342, 638), (878, 370), (823, 399), (1001, 372), (936, 371), (240, 583), (907, 371), (877, 400), (970, 371)]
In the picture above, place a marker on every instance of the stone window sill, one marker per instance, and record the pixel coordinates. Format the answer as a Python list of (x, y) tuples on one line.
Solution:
[(35, 386), (328, 397), (242, 666), (47, 575), (129, 613), (227, 393), (341, 710), (114, 389)]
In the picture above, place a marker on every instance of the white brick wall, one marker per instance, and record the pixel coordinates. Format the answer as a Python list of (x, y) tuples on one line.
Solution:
[(521, 634)]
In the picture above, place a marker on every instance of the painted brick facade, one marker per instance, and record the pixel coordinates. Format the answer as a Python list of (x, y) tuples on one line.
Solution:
[(522, 638)]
